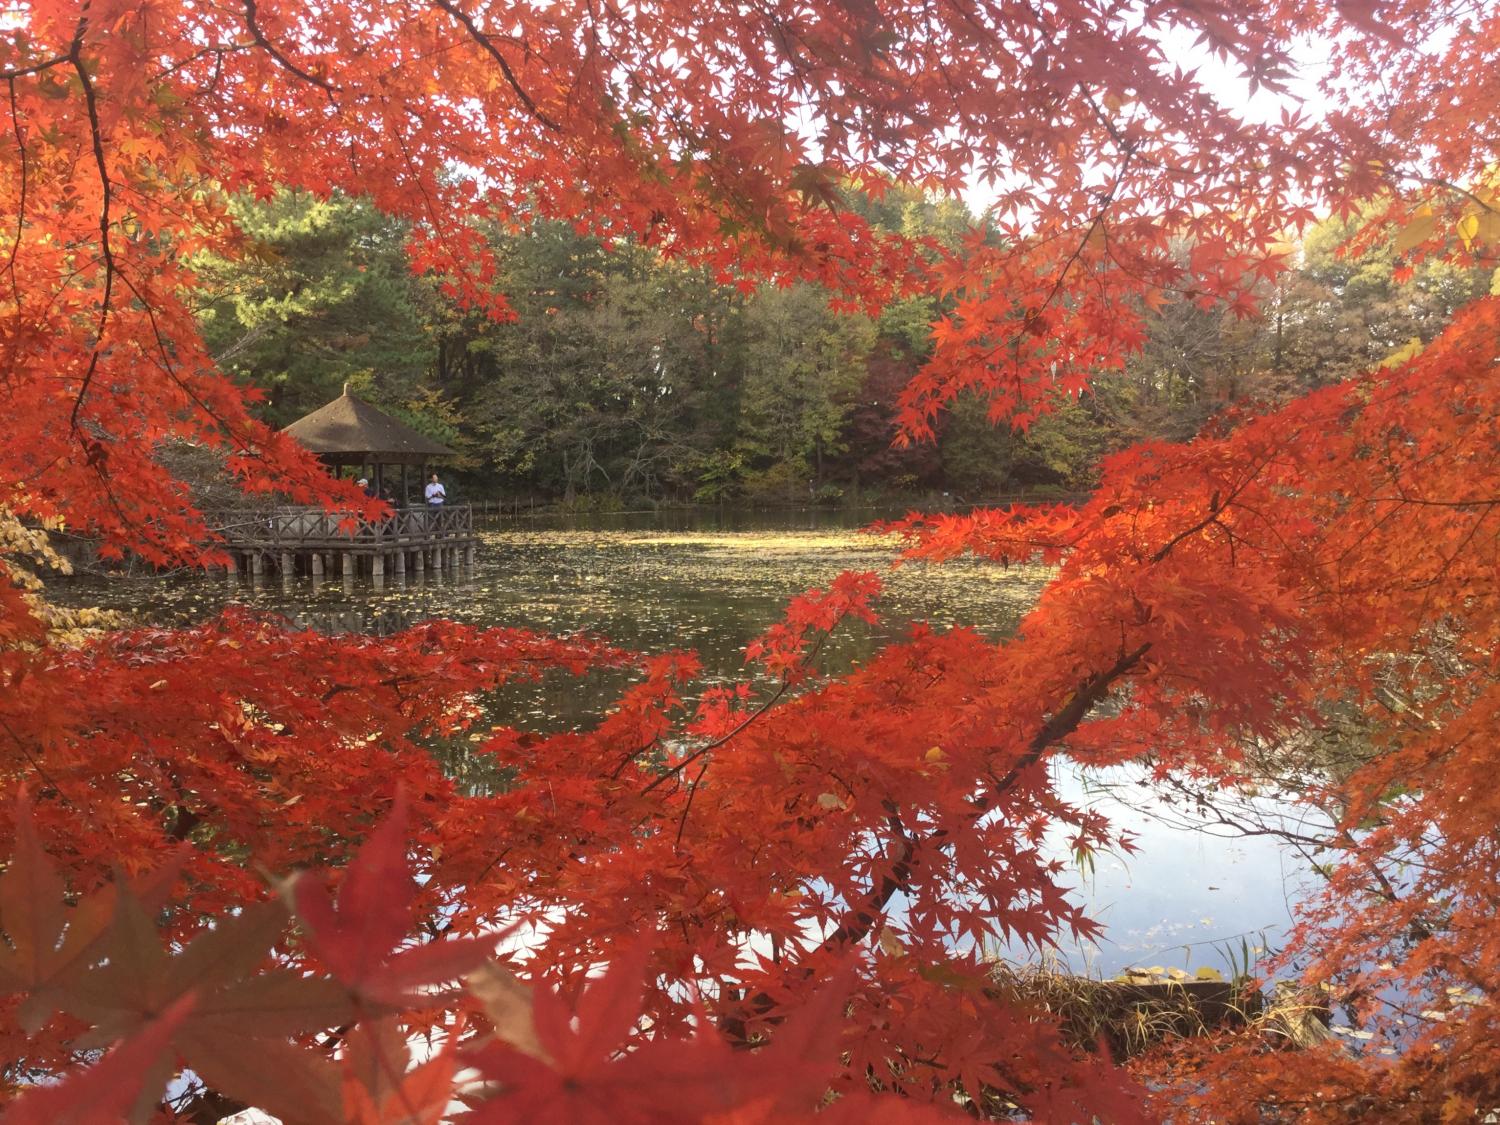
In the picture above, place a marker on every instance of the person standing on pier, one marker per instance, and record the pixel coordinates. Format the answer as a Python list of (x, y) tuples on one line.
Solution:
[(435, 492)]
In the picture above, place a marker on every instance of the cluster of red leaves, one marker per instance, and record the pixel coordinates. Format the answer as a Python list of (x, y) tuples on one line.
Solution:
[(235, 1007), (1217, 592), (1337, 554), (817, 873), (764, 875), (722, 135)]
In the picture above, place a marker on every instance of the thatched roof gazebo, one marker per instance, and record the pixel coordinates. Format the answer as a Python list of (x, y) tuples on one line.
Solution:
[(349, 431), (310, 540)]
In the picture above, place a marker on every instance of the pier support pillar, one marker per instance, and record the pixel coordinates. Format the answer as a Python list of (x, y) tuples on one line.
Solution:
[(417, 562), (317, 564), (348, 565), (377, 566), (257, 564), (399, 561), (288, 564)]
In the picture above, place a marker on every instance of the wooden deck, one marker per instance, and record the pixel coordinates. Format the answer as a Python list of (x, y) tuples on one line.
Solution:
[(294, 540)]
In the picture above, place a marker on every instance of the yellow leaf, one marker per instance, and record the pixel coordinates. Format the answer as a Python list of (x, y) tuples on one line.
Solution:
[(1408, 351), (1487, 227), (1416, 232), (1468, 229)]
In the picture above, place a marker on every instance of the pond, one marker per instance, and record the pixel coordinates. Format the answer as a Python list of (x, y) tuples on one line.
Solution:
[(712, 582)]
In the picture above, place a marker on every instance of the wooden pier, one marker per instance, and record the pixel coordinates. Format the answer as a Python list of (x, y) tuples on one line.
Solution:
[(292, 541)]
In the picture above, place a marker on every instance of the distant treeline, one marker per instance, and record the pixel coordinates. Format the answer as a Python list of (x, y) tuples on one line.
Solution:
[(627, 379)]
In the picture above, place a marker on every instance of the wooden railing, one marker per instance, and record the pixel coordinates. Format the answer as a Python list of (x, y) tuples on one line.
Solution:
[(291, 527)]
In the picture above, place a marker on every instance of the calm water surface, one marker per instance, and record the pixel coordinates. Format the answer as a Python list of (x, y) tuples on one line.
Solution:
[(711, 584)]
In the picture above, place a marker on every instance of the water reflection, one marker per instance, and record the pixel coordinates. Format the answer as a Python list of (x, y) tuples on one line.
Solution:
[(1188, 894)]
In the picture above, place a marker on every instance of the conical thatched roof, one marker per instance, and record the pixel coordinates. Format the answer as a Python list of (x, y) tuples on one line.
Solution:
[(351, 431)]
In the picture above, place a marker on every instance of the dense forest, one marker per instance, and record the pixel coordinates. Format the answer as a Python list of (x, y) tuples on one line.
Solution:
[(626, 378)]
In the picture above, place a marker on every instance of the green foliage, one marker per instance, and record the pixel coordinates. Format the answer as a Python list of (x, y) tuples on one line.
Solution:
[(805, 365), (626, 377), (325, 297), (1339, 314)]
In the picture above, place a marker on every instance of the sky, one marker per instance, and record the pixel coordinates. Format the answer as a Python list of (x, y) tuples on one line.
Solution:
[(1224, 82)]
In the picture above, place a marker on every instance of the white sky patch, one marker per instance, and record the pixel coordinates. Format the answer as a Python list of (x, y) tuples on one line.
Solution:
[(1224, 81)]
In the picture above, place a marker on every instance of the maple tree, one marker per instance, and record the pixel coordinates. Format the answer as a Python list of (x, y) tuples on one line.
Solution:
[(789, 880)]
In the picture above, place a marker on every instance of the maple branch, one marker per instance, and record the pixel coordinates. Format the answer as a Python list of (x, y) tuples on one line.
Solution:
[(688, 808), (786, 683), (1095, 224), (96, 134), (36, 764), (243, 442), (217, 53), (270, 48), (1067, 720), (671, 771), (15, 120), (1477, 502), (489, 47), (859, 922), (1216, 508), (1448, 185), (35, 68)]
